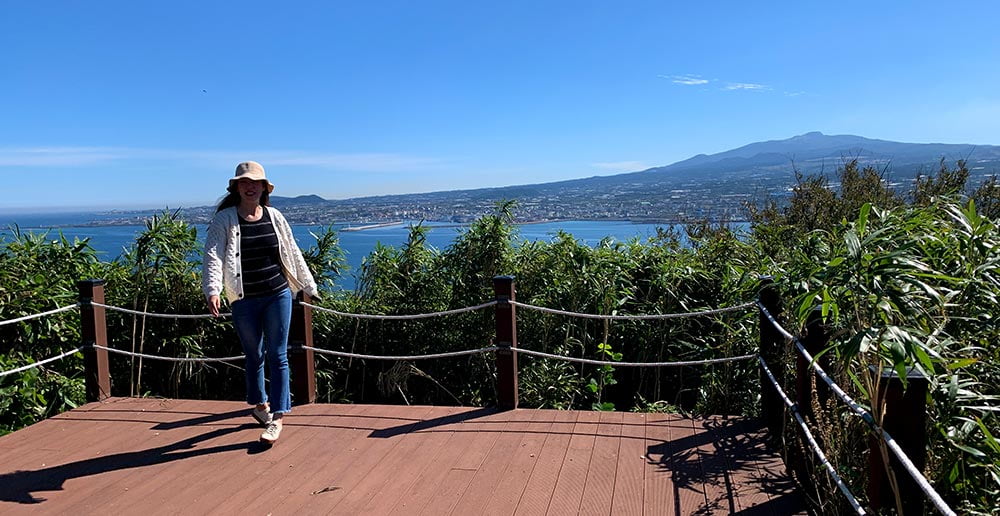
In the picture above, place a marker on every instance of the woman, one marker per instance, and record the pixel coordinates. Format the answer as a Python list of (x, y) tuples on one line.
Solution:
[(252, 257)]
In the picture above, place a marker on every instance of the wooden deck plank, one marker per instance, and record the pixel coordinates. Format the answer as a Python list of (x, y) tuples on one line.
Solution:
[(716, 481), (599, 489), (264, 486), (394, 474), (92, 458), (545, 474), (134, 456), (628, 495), (534, 429), (568, 494), (461, 439), (490, 473), (362, 458), (668, 484), (171, 453), (486, 431)]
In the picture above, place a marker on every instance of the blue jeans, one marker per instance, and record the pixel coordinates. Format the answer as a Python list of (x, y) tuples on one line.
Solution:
[(262, 326)]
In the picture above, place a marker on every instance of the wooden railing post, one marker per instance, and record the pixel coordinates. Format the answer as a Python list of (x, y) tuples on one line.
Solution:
[(506, 339), (815, 341), (771, 348), (301, 362), (94, 330), (905, 420)]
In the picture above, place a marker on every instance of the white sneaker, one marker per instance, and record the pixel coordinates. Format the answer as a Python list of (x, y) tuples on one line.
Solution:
[(262, 416), (271, 433)]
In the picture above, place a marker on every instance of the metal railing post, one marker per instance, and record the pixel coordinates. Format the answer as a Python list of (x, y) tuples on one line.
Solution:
[(506, 339), (94, 330), (301, 361)]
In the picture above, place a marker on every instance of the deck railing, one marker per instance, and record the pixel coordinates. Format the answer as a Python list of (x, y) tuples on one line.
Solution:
[(904, 412)]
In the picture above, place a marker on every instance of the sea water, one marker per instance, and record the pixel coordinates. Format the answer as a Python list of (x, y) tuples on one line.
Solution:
[(111, 241)]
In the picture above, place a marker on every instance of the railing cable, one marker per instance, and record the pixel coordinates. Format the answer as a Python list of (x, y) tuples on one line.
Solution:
[(865, 415), (631, 317), (43, 314), (399, 317), (169, 359), (161, 316), (812, 441), (404, 357), (41, 362), (632, 364)]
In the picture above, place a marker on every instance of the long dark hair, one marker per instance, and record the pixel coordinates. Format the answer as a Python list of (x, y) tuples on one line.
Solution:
[(233, 197)]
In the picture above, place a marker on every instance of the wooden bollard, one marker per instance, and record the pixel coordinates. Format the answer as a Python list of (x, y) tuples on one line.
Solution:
[(771, 348), (506, 340), (94, 331), (905, 420), (815, 341), (301, 361)]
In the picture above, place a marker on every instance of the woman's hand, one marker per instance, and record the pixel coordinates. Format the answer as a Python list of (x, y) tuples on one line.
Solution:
[(213, 305)]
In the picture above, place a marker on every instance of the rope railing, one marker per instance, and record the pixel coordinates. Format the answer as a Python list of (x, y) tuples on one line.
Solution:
[(632, 364), (448, 354), (157, 315), (555, 311), (830, 470), (865, 415), (399, 317), (42, 314), (41, 362), (168, 359)]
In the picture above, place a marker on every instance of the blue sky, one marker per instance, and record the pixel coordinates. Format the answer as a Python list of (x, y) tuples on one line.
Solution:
[(151, 104)]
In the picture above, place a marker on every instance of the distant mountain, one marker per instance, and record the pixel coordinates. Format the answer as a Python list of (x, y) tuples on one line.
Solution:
[(763, 163), (712, 186)]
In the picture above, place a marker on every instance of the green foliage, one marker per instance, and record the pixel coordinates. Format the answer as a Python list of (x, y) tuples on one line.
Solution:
[(898, 286), (39, 273)]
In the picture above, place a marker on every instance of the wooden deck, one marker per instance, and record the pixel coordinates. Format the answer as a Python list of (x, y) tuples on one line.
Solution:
[(150, 456)]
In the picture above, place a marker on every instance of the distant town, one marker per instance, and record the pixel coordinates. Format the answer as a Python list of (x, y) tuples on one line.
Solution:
[(637, 202), (715, 188)]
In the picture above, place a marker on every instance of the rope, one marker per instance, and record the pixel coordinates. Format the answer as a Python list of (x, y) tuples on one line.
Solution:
[(400, 317), (404, 357), (161, 316), (35, 316), (410, 357), (812, 441), (631, 317), (169, 359), (865, 415), (632, 364), (908, 465), (40, 363)]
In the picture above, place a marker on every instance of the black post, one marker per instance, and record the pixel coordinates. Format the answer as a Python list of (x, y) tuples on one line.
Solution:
[(301, 361), (94, 330), (506, 327), (771, 347), (815, 341), (905, 420)]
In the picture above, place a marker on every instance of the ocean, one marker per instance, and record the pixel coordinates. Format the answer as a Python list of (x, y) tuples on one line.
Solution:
[(110, 241)]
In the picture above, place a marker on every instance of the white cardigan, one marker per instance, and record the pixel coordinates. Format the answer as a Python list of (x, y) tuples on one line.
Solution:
[(222, 269)]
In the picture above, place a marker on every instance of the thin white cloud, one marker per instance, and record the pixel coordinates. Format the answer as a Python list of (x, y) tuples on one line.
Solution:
[(57, 156), (687, 80), (746, 86), (622, 166), (69, 157)]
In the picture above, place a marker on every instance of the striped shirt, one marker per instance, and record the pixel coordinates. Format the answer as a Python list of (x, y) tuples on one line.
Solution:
[(262, 274)]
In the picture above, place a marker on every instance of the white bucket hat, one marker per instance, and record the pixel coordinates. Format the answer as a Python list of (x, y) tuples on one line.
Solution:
[(250, 170)]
